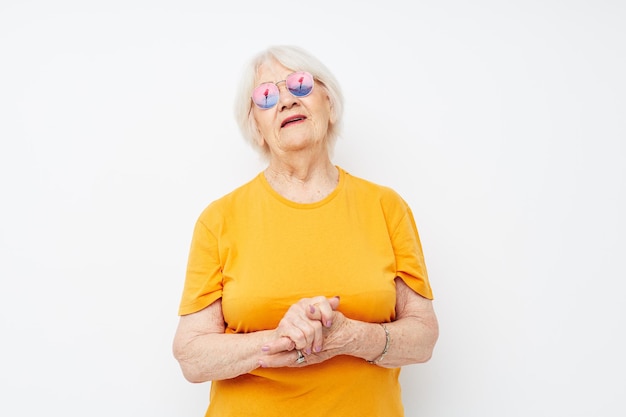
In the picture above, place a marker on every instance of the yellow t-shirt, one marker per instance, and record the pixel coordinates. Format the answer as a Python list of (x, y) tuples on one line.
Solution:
[(261, 253)]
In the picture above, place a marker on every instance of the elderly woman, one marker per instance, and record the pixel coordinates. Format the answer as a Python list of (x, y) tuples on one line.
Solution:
[(306, 288)]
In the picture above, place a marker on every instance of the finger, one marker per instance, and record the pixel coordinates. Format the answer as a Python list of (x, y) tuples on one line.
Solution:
[(315, 315), (318, 337), (282, 359), (302, 332), (313, 312), (296, 334), (334, 302), (324, 311), (311, 330), (282, 344)]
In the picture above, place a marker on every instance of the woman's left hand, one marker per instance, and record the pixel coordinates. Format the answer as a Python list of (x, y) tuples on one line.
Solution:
[(414, 333), (282, 352), (302, 329)]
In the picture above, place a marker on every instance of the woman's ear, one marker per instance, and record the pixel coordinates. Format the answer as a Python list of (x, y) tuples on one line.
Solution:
[(333, 115), (258, 138)]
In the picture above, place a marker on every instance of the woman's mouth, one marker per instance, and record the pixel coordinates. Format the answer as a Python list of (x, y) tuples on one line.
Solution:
[(292, 119)]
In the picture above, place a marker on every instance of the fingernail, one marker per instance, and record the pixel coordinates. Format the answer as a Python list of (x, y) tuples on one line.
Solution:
[(261, 364), (329, 323), (312, 309), (318, 349), (265, 348), (308, 351)]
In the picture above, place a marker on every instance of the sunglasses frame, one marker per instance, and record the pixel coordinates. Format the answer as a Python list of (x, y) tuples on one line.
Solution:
[(286, 87)]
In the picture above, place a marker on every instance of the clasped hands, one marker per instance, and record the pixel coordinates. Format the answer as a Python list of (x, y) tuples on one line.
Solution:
[(305, 327)]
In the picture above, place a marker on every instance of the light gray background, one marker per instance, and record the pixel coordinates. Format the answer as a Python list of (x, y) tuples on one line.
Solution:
[(500, 122)]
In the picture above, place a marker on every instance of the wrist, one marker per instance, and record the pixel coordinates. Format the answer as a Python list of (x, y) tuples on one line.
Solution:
[(364, 340), (380, 357)]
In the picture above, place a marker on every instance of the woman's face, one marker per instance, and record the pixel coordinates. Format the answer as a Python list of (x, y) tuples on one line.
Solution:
[(294, 123)]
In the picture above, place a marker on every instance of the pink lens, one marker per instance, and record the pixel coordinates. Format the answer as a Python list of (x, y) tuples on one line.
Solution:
[(265, 95), (299, 84)]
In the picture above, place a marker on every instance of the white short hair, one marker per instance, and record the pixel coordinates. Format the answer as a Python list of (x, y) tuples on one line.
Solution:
[(297, 59)]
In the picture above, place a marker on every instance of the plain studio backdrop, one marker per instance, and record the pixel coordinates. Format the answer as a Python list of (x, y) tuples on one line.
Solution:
[(501, 123)]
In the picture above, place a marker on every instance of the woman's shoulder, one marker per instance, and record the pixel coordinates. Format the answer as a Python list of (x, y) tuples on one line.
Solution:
[(233, 199), (371, 188)]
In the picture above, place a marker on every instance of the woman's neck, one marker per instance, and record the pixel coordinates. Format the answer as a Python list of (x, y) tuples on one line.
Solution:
[(304, 183)]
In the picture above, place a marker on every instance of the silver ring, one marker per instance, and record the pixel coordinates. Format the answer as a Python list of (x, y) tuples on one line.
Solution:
[(301, 357)]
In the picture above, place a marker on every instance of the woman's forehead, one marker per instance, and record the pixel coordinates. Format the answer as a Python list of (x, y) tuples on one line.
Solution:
[(272, 71)]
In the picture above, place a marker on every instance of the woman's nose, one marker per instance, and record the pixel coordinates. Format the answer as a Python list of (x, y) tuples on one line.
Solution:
[(285, 98)]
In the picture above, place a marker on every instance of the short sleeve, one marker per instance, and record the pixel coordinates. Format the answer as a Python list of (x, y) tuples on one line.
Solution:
[(203, 281), (410, 264)]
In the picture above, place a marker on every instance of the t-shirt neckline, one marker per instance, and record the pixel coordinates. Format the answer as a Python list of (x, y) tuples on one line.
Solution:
[(286, 201)]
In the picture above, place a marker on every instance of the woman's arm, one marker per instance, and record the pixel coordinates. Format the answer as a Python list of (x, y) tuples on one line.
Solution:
[(414, 332), (206, 353), (412, 335)]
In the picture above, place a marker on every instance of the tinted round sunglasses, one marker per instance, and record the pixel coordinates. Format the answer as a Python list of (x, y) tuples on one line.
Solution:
[(299, 84)]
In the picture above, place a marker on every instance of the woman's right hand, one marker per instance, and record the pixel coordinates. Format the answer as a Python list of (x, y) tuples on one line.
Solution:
[(302, 325)]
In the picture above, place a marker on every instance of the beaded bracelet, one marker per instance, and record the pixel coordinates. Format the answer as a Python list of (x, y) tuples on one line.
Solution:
[(387, 343)]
